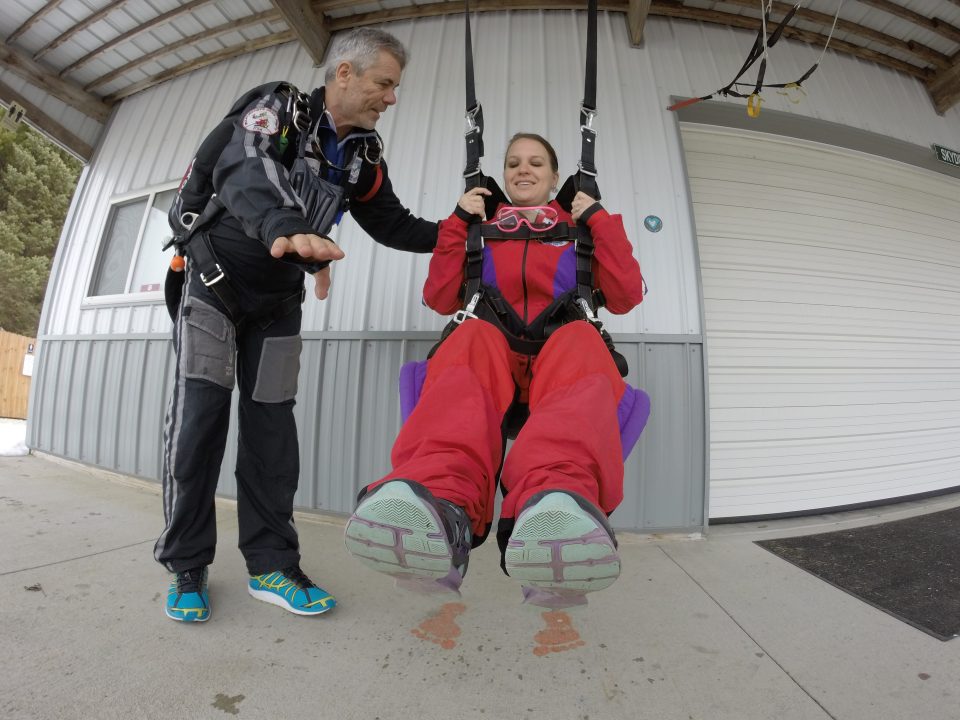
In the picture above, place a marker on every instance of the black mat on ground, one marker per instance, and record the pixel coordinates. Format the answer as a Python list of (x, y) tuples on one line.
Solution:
[(907, 568)]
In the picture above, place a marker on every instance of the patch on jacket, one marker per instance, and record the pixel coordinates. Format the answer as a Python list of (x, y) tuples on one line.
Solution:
[(262, 120)]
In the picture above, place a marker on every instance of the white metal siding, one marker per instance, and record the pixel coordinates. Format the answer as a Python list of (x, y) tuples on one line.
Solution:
[(85, 128), (529, 76), (832, 314)]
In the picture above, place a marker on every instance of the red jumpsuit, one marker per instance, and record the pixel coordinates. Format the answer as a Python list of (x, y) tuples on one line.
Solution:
[(452, 444)]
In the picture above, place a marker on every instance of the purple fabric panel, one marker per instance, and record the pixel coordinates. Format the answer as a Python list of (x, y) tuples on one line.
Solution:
[(566, 275), (488, 275), (412, 375), (632, 413)]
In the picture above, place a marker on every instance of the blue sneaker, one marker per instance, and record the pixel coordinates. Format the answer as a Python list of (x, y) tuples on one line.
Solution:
[(187, 597), (402, 530), (292, 590), (561, 548)]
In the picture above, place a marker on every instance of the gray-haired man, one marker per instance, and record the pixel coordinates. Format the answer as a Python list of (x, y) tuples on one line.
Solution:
[(251, 218)]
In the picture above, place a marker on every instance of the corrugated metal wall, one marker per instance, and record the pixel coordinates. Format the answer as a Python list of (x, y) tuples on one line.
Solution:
[(355, 340)]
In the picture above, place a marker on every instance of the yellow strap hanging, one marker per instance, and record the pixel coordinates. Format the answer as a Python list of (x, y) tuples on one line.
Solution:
[(793, 92), (753, 105)]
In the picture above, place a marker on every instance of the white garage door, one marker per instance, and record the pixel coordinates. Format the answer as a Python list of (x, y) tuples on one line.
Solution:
[(831, 284)]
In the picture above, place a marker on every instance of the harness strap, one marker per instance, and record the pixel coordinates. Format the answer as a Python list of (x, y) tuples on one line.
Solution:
[(472, 175), (267, 317), (587, 168), (200, 251), (584, 250), (560, 231), (473, 269)]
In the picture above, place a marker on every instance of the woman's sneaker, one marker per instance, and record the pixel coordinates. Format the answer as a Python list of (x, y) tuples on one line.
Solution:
[(401, 529), (187, 596), (561, 548), (292, 590)]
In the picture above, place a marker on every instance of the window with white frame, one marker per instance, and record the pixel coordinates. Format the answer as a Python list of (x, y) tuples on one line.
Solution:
[(131, 259)]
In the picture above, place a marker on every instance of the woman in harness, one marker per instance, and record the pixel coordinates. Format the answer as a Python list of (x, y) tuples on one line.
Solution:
[(564, 473)]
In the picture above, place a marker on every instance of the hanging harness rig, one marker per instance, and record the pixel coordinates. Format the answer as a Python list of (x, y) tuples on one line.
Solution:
[(486, 302), (761, 44)]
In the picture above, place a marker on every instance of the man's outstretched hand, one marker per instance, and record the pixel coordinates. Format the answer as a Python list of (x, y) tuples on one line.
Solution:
[(321, 287), (308, 246)]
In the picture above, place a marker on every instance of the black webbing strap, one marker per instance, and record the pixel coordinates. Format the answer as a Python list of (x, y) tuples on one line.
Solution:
[(472, 176), (265, 318), (473, 270), (584, 250), (200, 252), (587, 174), (560, 231)]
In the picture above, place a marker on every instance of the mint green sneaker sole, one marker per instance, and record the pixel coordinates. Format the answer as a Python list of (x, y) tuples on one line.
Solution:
[(396, 532), (558, 546)]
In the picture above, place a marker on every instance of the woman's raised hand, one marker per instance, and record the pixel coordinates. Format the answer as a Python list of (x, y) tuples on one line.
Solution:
[(581, 201), (472, 201)]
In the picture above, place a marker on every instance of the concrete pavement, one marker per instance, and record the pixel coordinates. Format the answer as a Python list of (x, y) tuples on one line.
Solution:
[(695, 629)]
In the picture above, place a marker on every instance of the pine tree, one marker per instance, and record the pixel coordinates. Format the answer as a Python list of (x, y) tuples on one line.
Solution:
[(37, 180)]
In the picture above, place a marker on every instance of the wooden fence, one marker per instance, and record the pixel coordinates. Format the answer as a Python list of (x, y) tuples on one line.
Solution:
[(16, 356)]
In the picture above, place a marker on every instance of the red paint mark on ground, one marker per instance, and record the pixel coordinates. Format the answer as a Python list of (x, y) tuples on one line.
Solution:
[(558, 636), (441, 628)]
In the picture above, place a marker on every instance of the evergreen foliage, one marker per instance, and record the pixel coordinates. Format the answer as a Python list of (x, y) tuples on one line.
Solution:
[(37, 181)]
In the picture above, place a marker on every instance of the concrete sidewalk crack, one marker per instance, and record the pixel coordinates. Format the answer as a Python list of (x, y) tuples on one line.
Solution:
[(747, 633), (78, 557)]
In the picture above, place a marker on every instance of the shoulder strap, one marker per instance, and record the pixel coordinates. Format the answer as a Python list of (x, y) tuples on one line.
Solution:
[(472, 175), (587, 169)]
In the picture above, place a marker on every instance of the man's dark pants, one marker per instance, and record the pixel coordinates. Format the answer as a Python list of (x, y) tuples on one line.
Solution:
[(212, 355)]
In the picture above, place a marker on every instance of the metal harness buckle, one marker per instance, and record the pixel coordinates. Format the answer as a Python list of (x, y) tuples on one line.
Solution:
[(220, 275), (588, 114), (460, 315), (187, 220), (471, 118), (378, 144), (585, 306)]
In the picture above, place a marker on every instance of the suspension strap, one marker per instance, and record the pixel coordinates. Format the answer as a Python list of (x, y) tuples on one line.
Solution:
[(587, 168), (472, 176)]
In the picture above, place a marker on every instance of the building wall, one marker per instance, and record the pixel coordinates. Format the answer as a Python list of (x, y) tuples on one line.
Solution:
[(105, 368)]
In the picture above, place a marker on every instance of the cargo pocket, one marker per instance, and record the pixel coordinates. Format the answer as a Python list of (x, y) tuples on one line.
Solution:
[(279, 369), (209, 345)]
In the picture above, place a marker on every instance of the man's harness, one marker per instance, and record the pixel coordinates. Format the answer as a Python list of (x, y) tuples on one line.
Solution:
[(320, 199)]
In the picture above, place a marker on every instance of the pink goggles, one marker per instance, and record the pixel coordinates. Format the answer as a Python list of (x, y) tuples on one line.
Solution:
[(541, 217)]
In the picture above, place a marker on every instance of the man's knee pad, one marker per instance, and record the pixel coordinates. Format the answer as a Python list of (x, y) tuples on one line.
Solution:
[(209, 344), (278, 369)]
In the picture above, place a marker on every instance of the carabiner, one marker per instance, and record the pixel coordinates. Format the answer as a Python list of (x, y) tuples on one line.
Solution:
[(753, 105)]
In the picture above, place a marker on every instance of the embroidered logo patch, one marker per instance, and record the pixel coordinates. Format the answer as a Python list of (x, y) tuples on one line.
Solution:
[(262, 120)]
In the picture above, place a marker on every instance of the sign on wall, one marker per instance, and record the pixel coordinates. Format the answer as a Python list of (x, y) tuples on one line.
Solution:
[(951, 157)]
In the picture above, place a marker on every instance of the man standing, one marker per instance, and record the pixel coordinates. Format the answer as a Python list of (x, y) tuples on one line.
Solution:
[(251, 216)]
